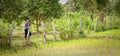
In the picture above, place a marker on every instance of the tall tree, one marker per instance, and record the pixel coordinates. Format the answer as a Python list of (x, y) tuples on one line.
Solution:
[(11, 9), (42, 10), (103, 6), (116, 7), (99, 6)]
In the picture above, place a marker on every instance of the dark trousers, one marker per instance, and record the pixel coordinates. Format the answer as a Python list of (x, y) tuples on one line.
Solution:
[(26, 32)]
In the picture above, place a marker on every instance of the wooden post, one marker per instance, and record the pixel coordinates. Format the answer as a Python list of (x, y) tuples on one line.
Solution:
[(44, 29), (11, 30), (110, 23), (53, 26), (103, 23), (28, 34), (69, 22), (96, 25), (80, 24)]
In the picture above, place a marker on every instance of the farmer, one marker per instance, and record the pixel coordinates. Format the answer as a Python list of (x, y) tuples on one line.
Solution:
[(27, 29)]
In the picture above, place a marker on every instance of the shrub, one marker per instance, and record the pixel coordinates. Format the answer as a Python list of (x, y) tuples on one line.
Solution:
[(68, 34), (4, 32)]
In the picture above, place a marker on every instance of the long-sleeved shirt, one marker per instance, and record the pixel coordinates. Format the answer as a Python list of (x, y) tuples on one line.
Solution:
[(27, 25)]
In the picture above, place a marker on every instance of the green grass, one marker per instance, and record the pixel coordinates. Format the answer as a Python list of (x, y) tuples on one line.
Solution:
[(76, 47), (115, 32)]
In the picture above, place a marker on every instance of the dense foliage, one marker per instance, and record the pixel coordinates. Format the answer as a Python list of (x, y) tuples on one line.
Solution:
[(4, 34)]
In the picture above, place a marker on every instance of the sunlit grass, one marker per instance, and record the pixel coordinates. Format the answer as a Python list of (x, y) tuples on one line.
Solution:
[(115, 32), (76, 47)]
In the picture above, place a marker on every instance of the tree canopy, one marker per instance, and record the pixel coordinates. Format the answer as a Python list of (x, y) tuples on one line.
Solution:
[(11, 9), (19, 9), (44, 9)]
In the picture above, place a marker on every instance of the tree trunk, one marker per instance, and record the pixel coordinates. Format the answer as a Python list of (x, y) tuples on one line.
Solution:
[(103, 24), (110, 23), (95, 28), (91, 26), (73, 7), (37, 24), (102, 19)]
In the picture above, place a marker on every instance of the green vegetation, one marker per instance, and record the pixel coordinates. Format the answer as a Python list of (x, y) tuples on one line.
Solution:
[(84, 46), (83, 27), (4, 34), (107, 33)]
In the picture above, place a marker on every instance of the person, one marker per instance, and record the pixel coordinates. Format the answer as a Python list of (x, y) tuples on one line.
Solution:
[(27, 29)]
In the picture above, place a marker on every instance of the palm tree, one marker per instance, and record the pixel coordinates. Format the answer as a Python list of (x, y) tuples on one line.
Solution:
[(100, 7)]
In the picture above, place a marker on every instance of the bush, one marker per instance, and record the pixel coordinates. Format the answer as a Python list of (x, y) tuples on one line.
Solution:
[(116, 23), (4, 32), (68, 34)]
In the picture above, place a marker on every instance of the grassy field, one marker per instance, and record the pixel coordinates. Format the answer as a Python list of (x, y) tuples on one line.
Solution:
[(106, 34), (82, 47), (75, 47)]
